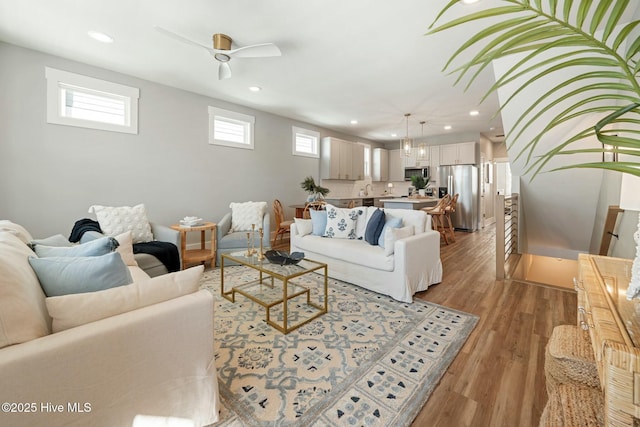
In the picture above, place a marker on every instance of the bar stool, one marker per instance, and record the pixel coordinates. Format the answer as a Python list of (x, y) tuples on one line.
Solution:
[(437, 216), (451, 208)]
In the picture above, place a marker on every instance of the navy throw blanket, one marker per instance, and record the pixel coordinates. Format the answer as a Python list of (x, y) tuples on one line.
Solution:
[(167, 253)]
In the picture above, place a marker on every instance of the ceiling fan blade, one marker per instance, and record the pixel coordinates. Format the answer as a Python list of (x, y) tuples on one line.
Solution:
[(182, 38), (224, 71), (255, 51)]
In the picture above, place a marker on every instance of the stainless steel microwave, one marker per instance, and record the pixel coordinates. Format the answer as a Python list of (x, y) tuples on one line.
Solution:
[(409, 172)]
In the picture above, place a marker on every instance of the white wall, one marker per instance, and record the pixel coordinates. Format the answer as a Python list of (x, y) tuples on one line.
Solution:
[(557, 208), (50, 174)]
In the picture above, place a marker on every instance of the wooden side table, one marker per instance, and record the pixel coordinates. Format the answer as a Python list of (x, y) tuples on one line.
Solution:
[(202, 255)]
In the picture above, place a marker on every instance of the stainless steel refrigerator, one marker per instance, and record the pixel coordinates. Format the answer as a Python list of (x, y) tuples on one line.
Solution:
[(463, 180)]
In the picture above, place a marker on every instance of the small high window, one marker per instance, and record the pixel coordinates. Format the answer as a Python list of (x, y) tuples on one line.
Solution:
[(77, 100), (305, 142), (230, 129)]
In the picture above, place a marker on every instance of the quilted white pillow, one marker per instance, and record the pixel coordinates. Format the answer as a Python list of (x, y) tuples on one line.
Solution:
[(117, 220), (341, 223), (243, 215)]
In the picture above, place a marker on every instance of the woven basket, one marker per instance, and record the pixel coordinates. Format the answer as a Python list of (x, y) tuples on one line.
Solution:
[(570, 359), (573, 406)]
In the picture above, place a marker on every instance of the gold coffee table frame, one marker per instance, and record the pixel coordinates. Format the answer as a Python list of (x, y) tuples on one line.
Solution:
[(285, 274)]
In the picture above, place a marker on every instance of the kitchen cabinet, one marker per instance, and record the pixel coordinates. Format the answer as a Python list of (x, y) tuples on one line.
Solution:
[(434, 162), (341, 159), (357, 161), (396, 166), (380, 169), (463, 153), (410, 161)]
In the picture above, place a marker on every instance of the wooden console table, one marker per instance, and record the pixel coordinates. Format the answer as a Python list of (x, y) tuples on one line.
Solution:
[(202, 255), (613, 323)]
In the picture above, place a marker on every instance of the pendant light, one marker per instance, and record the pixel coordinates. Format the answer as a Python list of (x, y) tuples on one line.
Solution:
[(406, 144), (423, 153)]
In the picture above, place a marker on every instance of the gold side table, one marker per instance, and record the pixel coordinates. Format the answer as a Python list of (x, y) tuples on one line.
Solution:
[(202, 255)]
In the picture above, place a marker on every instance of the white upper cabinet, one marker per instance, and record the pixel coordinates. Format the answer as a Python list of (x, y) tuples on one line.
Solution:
[(341, 159), (434, 162), (357, 162), (396, 166), (463, 153), (410, 160), (380, 170)]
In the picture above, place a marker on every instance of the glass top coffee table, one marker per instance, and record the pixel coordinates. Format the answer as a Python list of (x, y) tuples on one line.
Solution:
[(277, 287)]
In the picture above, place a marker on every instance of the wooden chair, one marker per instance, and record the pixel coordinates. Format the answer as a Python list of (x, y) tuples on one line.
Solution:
[(283, 226), (450, 209), (437, 216), (318, 205)]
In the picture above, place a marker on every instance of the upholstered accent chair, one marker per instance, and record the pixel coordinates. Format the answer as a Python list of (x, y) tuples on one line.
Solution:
[(232, 230)]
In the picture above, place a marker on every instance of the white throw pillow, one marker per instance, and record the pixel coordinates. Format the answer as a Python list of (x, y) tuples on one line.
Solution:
[(117, 220), (393, 234), (304, 226), (69, 311), (341, 223), (245, 214), (363, 219), (126, 248)]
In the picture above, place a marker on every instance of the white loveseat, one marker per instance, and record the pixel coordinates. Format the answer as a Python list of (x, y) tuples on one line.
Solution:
[(157, 360), (413, 266)]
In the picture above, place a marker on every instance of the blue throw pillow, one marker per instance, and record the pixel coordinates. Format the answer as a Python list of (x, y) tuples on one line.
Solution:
[(318, 222), (65, 275), (390, 223), (374, 227), (97, 247)]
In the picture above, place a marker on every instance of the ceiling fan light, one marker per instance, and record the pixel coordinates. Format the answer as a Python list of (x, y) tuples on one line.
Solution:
[(222, 57)]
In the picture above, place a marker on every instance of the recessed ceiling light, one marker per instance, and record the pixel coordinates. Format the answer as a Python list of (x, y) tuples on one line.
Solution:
[(474, 113), (354, 122), (447, 127), (255, 88), (101, 37)]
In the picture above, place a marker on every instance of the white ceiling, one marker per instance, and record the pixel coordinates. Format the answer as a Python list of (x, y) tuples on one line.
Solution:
[(367, 60)]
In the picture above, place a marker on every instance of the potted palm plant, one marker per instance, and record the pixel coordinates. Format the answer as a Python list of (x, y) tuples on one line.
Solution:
[(560, 38), (316, 192), (420, 183)]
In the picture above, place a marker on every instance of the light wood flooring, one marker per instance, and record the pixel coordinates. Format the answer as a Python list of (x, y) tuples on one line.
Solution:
[(497, 379)]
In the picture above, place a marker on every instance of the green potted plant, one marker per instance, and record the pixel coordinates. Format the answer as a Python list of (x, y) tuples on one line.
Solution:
[(560, 38), (420, 183), (316, 192)]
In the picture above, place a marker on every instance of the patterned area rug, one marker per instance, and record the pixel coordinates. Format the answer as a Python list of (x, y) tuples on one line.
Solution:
[(370, 361)]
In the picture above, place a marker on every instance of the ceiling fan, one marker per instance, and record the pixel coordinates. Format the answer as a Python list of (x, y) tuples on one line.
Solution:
[(222, 51)]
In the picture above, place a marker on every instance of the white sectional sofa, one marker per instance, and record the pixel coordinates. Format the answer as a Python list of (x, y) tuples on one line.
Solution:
[(413, 266), (155, 358)]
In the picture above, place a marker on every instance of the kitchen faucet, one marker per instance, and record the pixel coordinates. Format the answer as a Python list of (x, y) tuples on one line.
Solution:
[(366, 192)]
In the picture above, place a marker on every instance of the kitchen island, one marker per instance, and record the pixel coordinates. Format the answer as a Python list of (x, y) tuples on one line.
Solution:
[(409, 203)]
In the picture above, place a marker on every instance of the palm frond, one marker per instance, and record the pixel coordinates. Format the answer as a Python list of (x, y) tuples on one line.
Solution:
[(577, 34)]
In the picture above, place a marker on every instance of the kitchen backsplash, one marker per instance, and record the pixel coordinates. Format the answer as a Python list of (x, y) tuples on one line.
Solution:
[(352, 188)]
